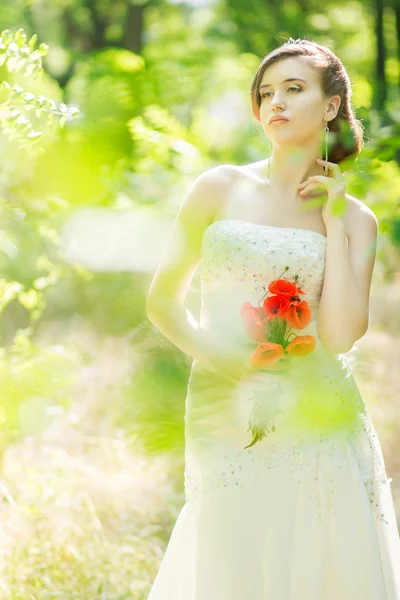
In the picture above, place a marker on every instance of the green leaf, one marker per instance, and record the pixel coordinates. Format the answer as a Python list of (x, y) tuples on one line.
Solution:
[(41, 101), (63, 120), (32, 41), (18, 91), (20, 37), (28, 299), (13, 116), (29, 97), (34, 135), (22, 120), (7, 35), (74, 111), (51, 104), (43, 49)]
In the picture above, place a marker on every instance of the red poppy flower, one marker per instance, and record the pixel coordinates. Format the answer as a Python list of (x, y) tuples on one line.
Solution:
[(253, 317), (266, 354), (298, 314), (301, 345), (276, 306), (286, 288)]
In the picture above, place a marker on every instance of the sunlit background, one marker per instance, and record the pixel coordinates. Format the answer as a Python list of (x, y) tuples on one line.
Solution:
[(109, 110)]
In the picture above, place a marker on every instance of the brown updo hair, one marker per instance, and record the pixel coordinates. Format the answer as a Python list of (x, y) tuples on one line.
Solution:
[(346, 132)]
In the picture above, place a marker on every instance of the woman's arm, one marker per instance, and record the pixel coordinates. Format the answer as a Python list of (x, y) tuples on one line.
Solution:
[(165, 301), (343, 314)]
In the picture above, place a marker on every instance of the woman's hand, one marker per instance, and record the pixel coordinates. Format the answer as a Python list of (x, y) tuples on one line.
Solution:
[(336, 204)]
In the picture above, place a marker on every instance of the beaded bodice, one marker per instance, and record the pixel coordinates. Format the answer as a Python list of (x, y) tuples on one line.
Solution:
[(240, 258), (236, 250)]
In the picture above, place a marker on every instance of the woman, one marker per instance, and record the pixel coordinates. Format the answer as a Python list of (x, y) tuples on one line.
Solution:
[(287, 496)]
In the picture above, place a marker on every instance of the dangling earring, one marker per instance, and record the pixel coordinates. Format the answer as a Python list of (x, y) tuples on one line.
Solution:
[(269, 167), (326, 148)]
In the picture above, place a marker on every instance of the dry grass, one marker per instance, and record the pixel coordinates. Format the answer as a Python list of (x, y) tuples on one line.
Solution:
[(83, 515)]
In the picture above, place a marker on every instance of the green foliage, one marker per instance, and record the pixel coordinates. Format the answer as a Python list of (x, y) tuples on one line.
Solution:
[(19, 55), (33, 382), (152, 404), (33, 379)]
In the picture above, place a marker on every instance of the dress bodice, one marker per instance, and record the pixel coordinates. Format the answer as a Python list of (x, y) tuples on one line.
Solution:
[(240, 258)]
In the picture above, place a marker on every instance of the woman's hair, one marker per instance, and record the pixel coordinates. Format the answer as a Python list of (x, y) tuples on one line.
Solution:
[(346, 132)]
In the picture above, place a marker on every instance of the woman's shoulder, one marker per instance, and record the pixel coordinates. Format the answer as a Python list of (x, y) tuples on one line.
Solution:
[(358, 208), (217, 181), (359, 215), (228, 173), (220, 173)]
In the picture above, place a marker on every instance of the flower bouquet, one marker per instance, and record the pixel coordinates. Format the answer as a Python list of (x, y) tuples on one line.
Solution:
[(271, 323)]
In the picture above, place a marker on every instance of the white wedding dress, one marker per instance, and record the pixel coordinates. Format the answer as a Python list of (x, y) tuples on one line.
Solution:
[(306, 512)]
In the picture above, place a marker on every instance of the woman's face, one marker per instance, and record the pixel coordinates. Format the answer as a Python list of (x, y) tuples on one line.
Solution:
[(300, 100)]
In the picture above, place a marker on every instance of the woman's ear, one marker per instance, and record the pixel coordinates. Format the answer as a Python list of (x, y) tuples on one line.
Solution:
[(333, 107)]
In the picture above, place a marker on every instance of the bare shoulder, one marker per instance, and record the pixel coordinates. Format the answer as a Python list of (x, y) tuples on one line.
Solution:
[(360, 219), (226, 173), (203, 197), (220, 175), (358, 207), (214, 185)]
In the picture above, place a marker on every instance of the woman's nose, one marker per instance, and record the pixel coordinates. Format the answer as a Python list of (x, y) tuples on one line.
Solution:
[(276, 101)]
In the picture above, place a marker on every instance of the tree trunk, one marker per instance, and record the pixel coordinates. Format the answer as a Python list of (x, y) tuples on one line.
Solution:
[(380, 92), (133, 33)]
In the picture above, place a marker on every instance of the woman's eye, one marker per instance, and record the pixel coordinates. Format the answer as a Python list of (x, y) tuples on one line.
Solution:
[(292, 87)]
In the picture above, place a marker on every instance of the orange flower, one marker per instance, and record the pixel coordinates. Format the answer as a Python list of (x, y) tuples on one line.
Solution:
[(276, 306), (299, 314), (253, 321), (286, 288), (266, 354), (301, 345)]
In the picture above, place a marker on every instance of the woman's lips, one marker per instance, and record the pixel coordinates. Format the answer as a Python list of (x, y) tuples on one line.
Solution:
[(277, 121)]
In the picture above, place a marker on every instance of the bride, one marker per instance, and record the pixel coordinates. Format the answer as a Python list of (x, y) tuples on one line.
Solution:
[(287, 496)]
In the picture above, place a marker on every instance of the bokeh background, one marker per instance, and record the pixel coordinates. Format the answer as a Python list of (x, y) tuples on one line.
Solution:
[(109, 110)]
